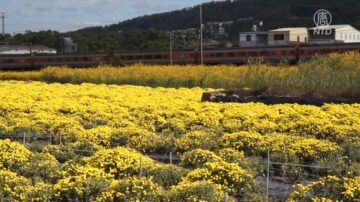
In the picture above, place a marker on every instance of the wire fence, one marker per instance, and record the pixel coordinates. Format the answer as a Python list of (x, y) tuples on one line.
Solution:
[(276, 187)]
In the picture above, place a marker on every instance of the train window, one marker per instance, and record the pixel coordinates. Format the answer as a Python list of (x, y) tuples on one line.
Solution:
[(49, 60), (9, 61), (130, 57), (231, 54), (139, 57), (284, 52), (242, 54), (219, 54), (253, 53), (148, 57), (264, 53), (157, 56)]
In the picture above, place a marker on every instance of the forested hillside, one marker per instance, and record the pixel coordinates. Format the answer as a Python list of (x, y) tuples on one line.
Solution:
[(274, 13), (150, 32)]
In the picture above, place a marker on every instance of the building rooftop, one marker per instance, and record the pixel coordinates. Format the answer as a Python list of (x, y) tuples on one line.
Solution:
[(23, 47), (333, 27), (253, 32), (289, 29)]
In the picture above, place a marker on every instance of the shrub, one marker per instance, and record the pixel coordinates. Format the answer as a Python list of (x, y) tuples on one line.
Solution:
[(40, 192), (133, 189), (197, 158), (329, 188), (231, 177), (85, 184), (197, 191), (139, 139), (231, 155), (12, 186), (120, 162), (166, 175), (196, 140), (249, 142), (13, 155), (44, 166)]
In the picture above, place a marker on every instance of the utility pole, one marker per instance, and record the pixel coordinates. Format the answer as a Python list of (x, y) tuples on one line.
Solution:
[(171, 54), (201, 37), (3, 22), (268, 174)]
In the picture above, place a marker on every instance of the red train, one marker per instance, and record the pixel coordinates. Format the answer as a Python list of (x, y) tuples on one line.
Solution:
[(216, 56)]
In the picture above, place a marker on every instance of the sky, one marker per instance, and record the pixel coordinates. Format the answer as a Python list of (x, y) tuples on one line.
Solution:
[(68, 15)]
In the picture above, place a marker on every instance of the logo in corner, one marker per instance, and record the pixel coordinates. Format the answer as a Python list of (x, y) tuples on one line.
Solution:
[(322, 20)]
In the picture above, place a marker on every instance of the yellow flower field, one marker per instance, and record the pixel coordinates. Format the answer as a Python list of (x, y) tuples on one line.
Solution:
[(102, 135)]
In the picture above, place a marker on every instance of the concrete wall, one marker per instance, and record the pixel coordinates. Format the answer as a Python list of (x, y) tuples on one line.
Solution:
[(243, 40), (273, 42), (347, 34)]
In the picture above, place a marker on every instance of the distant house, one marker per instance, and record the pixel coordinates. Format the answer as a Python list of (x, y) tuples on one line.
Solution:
[(288, 36), (334, 34), (67, 45), (217, 30), (249, 39), (22, 50)]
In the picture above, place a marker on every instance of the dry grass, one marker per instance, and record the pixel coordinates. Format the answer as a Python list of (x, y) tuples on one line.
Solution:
[(336, 75)]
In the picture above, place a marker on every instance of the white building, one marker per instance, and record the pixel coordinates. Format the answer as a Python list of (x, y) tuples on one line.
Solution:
[(288, 36), (25, 50), (249, 39), (334, 34)]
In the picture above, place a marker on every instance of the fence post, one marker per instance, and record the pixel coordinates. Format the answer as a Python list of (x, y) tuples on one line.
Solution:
[(50, 139), (24, 138), (60, 139), (268, 175), (171, 158), (226, 197), (141, 166)]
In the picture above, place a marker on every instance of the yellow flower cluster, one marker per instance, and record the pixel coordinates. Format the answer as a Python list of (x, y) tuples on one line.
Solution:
[(309, 149), (230, 176), (120, 162), (329, 188), (102, 135), (133, 189), (12, 155), (198, 157)]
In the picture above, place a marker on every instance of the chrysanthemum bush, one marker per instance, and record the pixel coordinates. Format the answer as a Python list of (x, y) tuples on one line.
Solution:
[(13, 155), (329, 188), (102, 136)]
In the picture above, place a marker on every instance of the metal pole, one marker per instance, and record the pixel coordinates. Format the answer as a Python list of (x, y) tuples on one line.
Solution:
[(3, 22), (268, 174), (171, 54), (141, 166), (171, 159), (201, 37)]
